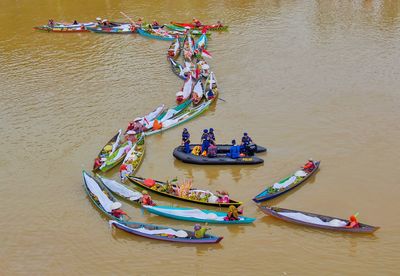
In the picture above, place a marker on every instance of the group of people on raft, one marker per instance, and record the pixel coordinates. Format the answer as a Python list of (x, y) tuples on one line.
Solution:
[(209, 147)]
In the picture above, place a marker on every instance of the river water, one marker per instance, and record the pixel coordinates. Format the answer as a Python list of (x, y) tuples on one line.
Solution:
[(306, 79)]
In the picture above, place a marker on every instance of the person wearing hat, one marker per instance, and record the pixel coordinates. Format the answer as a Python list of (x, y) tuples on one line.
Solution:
[(199, 232), (117, 212), (196, 22), (309, 166), (204, 135), (155, 24), (211, 135), (353, 223), (98, 19), (146, 199), (185, 140)]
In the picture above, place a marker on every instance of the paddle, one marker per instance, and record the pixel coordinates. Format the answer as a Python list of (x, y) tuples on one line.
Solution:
[(221, 99), (130, 19)]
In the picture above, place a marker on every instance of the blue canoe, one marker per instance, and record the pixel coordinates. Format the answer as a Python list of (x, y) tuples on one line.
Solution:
[(292, 182), (196, 215)]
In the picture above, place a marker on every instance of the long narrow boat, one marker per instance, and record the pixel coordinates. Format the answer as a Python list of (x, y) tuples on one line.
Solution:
[(177, 68), (175, 49), (117, 29), (196, 215), (134, 157), (188, 47), (286, 184), (315, 220), (187, 89), (183, 30), (116, 157), (103, 200), (156, 34), (66, 28), (189, 114), (212, 27), (194, 195), (202, 42), (148, 120), (108, 149), (211, 87)]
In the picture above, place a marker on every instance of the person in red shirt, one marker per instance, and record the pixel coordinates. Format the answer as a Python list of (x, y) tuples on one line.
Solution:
[(146, 199), (117, 212), (309, 166), (353, 223)]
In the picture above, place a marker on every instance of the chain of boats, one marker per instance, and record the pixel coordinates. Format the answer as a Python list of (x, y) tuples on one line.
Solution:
[(199, 91)]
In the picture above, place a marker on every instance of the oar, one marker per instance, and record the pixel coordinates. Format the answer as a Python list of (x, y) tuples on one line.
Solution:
[(221, 99), (130, 19)]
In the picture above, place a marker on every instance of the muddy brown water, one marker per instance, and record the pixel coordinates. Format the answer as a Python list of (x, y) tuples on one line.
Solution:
[(305, 78)]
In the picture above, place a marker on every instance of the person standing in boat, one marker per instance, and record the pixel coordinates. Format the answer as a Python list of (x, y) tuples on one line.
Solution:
[(234, 150), (205, 144), (185, 140), (211, 135)]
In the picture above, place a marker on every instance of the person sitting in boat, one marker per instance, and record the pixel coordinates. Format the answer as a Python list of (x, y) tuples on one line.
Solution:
[(196, 150), (309, 166), (247, 146), (223, 197), (233, 213), (75, 22), (117, 212), (157, 125), (196, 22), (199, 231), (155, 23), (219, 24), (146, 199), (98, 162), (353, 223), (123, 172), (51, 23), (139, 22), (105, 22), (234, 151), (212, 150), (131, 136)]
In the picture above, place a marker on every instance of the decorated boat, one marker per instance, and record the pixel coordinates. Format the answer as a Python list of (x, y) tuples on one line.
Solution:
[(188, 47), (220, 159), (113, 29), (202, 42), (285, 185), (211, 27), (316, 220), (186, 91), (184, 30), (211, 87), (184, 192), (188, 114), (65, 28), (159, 34), (196, 215), (198, 92), (175, 49), (105, 203), (177, 68), (108, 150), (134, 157)]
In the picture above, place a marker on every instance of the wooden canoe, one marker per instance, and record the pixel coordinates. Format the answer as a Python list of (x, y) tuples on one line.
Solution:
[(161, 187), (280, 214), (270, 192)]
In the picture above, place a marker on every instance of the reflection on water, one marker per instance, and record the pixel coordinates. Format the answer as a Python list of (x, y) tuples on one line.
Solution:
[(305, 79)]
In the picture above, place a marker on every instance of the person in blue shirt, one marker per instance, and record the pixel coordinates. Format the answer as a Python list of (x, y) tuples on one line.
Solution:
[(185, 140), (204, 135), (234, 151), (247, 145), (205, 144)]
